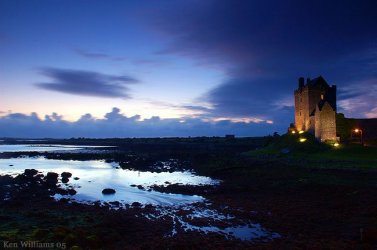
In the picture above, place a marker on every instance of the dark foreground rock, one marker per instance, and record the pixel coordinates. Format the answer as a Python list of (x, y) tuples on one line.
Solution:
[(108, 191), (66, 175), (65, 180), (30, 172)]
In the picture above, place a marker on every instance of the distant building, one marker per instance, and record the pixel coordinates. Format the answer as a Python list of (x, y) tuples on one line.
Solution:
[(315, 108), (356, 130)]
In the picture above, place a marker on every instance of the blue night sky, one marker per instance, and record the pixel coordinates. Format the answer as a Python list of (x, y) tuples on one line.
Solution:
[(101, 68)]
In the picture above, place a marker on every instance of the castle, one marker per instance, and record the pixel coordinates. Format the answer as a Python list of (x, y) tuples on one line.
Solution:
[(315, 108)]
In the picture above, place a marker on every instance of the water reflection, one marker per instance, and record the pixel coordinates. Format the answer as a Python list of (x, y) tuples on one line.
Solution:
[(94, 176), (44, 147)]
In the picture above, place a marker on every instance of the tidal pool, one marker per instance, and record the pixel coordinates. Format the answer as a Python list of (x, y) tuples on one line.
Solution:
[(97, 175), (184, 219)]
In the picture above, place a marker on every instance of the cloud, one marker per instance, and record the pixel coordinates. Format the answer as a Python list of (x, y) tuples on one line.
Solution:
[(88, 54), (358, 99), (115, 124), (208, 112), (250, 95), (151, 62), (53, 117), (86, 83), (197, 108), (97, 55), (250, 33), (264, 46)]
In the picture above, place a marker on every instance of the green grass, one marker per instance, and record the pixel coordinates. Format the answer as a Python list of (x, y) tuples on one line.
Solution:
[(312, 153)]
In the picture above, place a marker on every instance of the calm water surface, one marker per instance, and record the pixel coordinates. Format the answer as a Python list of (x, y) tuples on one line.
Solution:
[(44, 147), (97, 175)]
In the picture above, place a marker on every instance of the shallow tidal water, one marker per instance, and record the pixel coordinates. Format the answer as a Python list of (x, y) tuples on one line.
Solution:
[(96, 175), (44, 147)]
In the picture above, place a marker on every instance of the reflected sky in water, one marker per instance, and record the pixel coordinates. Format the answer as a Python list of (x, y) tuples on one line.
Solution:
[(97, 175), (41, 147)]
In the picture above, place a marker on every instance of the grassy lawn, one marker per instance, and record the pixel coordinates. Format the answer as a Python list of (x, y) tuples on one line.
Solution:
[(289, 149)]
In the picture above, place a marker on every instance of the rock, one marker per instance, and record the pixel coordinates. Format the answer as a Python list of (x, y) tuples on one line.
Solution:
[(71, 192), (75, 248), (92, 241), (52, 176), (70, 239), (108, 191), (148, 206), (65, 180), (30, 172), (66, 175), (40, 233), (115, 203), (63, 200), (136, 204), (60, 232), (76, 178), (61, 191)]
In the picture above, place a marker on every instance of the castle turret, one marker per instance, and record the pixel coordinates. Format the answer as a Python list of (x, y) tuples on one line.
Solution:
[(301, 82)]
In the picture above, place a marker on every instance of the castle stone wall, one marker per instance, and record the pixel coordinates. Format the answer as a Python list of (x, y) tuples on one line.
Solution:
[(325, 123)]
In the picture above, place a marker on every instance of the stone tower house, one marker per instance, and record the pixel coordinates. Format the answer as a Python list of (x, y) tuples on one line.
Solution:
[(315, 108)]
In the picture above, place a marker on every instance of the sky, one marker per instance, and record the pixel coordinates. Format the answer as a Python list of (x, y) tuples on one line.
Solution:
[(114, 68)]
